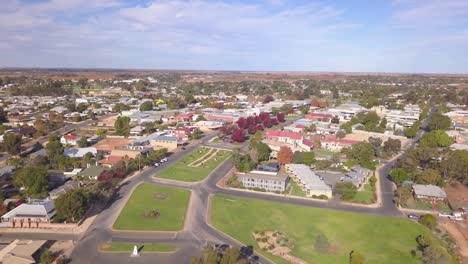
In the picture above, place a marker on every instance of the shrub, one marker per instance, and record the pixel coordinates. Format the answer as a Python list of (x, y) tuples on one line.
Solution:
[(428, 221)]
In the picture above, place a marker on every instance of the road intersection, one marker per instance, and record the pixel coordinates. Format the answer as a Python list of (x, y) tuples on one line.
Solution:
[(197, 229)]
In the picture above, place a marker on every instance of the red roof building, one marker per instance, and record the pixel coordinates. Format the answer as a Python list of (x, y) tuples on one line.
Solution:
[(184, 117), (318, 116), (112, 161), (285, 136)]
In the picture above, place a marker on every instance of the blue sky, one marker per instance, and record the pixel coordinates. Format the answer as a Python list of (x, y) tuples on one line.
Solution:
[(277, 35)]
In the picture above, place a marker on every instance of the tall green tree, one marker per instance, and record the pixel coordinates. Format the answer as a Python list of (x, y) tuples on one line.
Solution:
[(71, 206), (440, 122), (12, 143), (54, 150), (146, 106), (33, 179), (122, 126), (3, 116)]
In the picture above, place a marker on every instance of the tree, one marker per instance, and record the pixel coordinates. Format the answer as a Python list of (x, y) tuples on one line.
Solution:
[(83, 142), (242, 123), (429, 176), (335, 120), (71, 206), (100, 132), (3, 116), (428, 221), (423, 241), (230, 256), (47, 257), (268, 99), (392, 145), (238, 135), (281, 117), (435, 255), (33, 179), (122, 126), (54, 150), (254, 155), (146, 106), (435, 138), (263, 150), (40, 126), (285, 155), (340, 134), (440, 122), (196, 134), (242, 162), (363, 153), (355, 258), (399, 175), (298, 157), (376, 143), (311, 128), (455, 166), (347, 190), (411, 132), (12, 143)]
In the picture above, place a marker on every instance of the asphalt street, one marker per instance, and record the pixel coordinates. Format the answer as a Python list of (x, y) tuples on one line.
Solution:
[(197, 232)]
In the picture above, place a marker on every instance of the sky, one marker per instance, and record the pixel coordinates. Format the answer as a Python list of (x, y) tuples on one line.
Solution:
[(417, 36)]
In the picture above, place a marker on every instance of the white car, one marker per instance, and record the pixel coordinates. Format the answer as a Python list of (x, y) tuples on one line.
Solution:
[(444, 215), (164, 160), (156, 164)]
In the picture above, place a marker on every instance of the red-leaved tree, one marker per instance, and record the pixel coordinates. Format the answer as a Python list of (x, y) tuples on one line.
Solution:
[(285, 155), (242, 123), (281, 117), (238, 135)]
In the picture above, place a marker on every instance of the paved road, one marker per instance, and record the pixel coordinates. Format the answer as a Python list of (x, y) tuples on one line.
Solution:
[(197, 232)]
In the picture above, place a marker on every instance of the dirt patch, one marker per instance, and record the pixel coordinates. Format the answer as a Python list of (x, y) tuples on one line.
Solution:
[(457, 195), (160, 196), (276, 243), (105, 246), (459, 232), (153, 214)]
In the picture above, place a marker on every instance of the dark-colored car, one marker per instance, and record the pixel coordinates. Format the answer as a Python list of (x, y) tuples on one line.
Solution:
[(413, 216)]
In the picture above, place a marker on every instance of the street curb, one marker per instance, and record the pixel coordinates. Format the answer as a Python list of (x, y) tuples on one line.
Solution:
[(121, 252)]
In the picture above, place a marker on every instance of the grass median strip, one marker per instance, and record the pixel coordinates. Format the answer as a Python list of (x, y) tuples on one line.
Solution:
[(154, 208), (142, 248), (317, 235), (185, 170)]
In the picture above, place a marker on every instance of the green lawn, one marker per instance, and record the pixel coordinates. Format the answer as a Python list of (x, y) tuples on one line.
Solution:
[(295, 189), (365, 196), (180, 170), (380, 239), (426, 205), (128, 247), (172, 207), (324, 152)]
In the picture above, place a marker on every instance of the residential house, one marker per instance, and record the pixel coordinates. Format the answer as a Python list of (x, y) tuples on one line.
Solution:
[(131, 152), (228, 117), (62, 189), (111, 161), (184, 132), (209, 125), (268, 180), (284, 136), (184, 117), (31, 214), (308, 180), (92, 172), (358, 176), (429, 192), (70, 139), (79, 152)]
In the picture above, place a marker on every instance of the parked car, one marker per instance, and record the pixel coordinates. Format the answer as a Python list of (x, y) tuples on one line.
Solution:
[(456, 218), (163, 159), (156, 164), (413, 216), (444, 215)]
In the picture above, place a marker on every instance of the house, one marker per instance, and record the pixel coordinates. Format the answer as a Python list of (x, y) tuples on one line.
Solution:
[(228, 117), (79, 152), (137, 130), (358, 176), (209, 125), (22, 252), (111, 161), (164, 142), (308, 180), (31, 215), (62, 189), (72, 172), (70, 139), (284, 136), (268, 180), (184, 132), (184, 117), (429, 192), (322, 117), (92, 172), (336, 144)]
